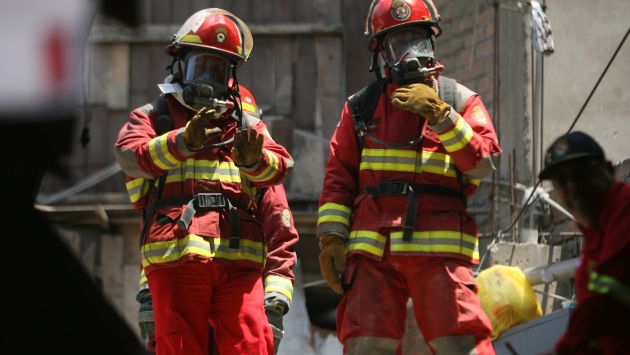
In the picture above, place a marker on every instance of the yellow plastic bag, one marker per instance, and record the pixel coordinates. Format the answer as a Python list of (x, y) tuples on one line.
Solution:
[(506, 297)]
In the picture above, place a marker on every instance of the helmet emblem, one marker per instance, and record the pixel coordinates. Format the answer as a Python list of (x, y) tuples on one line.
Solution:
[(400, 10), (561, 147), (221, 34)]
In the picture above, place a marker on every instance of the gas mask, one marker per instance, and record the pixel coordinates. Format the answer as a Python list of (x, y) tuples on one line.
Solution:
[(409, 55), (205, 78)]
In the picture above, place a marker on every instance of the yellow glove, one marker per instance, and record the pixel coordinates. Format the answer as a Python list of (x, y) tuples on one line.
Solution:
[(247, 149), (421, 99), (332, 260), (196, 134)]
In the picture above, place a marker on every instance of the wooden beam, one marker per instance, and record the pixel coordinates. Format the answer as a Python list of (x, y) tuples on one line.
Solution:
[(163, 33)]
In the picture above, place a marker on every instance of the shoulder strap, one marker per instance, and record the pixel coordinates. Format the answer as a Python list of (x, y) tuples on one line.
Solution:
[(163, 120), (362, 105), (448, 90), (454, 93)]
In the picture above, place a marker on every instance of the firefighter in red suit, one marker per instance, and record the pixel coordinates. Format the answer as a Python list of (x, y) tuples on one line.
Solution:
[(280, 238), (583, 181), (392, 214), (191, 158)]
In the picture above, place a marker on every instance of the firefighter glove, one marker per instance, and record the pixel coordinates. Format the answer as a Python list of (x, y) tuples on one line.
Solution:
[(247, 149), (197, 133), (146, 322), (332, 259), (423, 100), (275, 310)]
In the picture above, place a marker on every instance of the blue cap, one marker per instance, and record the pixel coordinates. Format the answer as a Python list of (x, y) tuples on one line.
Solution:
[(571, 146)]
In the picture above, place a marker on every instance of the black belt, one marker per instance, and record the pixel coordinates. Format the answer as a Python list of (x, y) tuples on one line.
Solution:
[(202, 202), (403, 188)]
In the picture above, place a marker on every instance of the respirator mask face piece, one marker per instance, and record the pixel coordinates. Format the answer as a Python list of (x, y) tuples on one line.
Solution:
[(409, 55), (205, 77)]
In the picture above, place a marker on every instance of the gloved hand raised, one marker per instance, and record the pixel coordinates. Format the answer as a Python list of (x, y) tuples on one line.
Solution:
[(421, 99), (275, 310), (196, 134), (332, 259), (146, 322), (247, 148)]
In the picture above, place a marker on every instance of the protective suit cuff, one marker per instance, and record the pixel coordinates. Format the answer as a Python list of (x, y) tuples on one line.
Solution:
[(272, 298), (250, 168), (447, 123), (181, 144), (332, 228)]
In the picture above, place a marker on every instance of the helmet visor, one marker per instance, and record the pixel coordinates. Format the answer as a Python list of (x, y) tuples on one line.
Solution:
[(206, 68), (407, 43)]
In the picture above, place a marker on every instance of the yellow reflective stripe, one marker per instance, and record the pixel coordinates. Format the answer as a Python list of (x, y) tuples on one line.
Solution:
[(387, 166), (212, 170), (172, 250), (334, 212), (158, 148), (369, 152), (334, 206), (136, 189), (191, 38), (368, 241), (143, 278), (475, 182), (436, 242), (407, 161), (457, 138), (269, 172), (280, 285), (608, 285), (248, 107)]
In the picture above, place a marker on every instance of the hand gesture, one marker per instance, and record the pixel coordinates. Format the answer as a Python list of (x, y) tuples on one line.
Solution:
[(247, 148), (196, 134), (421, 99)]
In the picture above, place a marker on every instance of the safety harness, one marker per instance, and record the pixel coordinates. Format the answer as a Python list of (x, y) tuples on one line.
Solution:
[(198, 202), (362, 105)]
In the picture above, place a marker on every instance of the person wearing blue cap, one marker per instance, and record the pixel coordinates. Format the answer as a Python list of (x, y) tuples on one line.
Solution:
[(583, 180)]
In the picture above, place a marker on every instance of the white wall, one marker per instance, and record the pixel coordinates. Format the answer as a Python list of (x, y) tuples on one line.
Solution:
[(586, 34)]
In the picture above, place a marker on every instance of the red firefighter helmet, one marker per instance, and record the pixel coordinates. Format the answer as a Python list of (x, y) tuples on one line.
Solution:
[(216, 30), (387, 15)]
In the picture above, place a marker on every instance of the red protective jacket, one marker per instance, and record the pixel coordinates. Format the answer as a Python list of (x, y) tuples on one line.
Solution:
[(465, 140), (144, 156), (600, 322)]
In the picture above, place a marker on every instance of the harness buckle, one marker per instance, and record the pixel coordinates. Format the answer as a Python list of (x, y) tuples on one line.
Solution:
[(210, 200)]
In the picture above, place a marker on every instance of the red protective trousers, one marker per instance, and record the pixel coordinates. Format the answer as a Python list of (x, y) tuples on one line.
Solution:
[(229, 296), (443, 291)]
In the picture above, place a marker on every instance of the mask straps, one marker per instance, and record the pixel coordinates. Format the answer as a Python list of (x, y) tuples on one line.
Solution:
[(374, 67), (235, 94)]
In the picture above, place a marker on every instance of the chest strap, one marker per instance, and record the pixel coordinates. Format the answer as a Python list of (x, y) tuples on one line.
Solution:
[(403, 188), (204, 202)]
